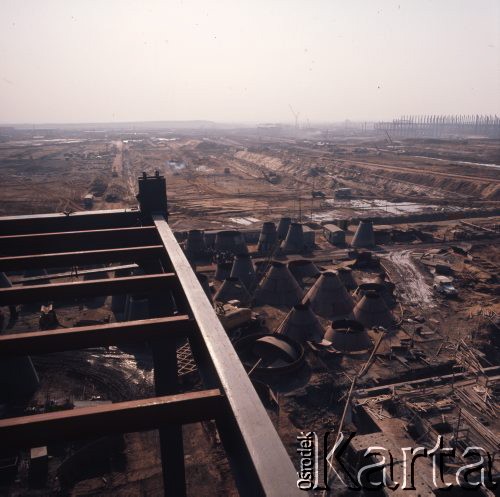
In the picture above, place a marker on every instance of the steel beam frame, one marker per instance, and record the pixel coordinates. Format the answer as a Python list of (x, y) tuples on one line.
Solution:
[(108, 419), (260, 463), (83, 337), (148, 284), (81, 257), (72, 241)]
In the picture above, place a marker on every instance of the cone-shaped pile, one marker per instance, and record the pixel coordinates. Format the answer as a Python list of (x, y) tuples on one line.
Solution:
[(302, 325), (348, 336), (230, 241), (195, 244), (283, 226), (278, 287), (223, 271), (244, 270), (372, 311), (304, 271), (328, 296), (347, 278), (267, 238), (294, 241), (364, 236), (232, 289)]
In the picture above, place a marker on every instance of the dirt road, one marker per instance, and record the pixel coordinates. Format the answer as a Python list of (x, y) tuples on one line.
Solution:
[(417, 290)]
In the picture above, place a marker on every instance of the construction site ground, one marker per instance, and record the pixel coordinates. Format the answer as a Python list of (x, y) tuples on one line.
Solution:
[(446, 190)]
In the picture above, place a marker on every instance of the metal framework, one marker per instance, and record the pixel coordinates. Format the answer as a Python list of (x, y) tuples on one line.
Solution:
[(179, 310)]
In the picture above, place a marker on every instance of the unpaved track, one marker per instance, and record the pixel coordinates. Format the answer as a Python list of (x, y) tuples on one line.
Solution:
[(417, 290)]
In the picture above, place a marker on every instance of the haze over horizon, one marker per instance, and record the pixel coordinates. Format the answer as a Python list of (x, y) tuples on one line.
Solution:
[(234, 61)]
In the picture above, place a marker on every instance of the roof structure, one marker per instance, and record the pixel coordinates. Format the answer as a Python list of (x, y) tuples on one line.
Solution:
[(329, 297), (278, 287)]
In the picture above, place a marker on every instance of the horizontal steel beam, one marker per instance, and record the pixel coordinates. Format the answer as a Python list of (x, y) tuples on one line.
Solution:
[(110, 419), (73, 241), (147, 284), (81, 257), (59, 340), (45, 223), (257, 455)]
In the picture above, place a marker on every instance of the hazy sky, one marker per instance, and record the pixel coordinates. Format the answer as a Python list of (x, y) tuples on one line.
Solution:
[(124, 60)]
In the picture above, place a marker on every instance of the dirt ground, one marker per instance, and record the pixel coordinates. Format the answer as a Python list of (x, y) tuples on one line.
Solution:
[(448, 191)]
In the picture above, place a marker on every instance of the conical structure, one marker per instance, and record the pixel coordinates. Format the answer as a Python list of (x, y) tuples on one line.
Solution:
[(232, 289), (195, 244), (372, 311), (278, 287), (203, 279), (302, 325), (268, 238), (329, 298), (283, 226), (379, 288), (381, 279), (223, 270), (364, 236), (294, 241), (304, 271), (347, 278), (230, 241), (243, 269), (348, 336)]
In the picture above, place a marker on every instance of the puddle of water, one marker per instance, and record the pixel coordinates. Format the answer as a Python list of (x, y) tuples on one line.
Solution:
[(467, 163), (245, 221)]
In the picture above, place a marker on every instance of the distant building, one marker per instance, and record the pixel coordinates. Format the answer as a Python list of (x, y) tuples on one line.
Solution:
[(334, 234)]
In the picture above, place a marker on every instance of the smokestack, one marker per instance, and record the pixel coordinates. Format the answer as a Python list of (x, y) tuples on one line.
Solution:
[(268, 238), (294, 241), (244, 270), (364, 236), (283, 226)]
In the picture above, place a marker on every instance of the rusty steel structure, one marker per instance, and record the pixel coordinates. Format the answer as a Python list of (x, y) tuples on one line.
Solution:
[(441, 126), (179, 311)]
